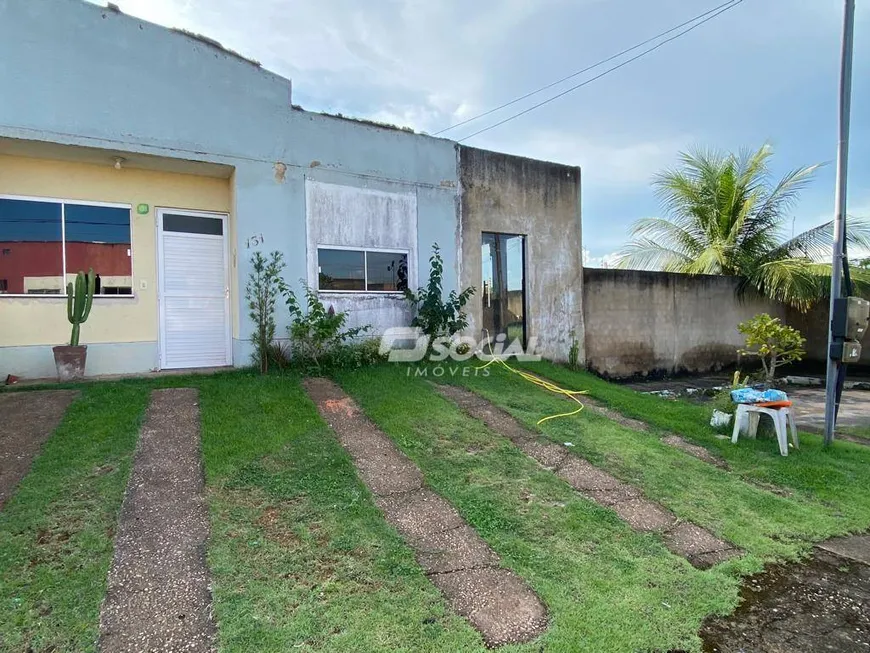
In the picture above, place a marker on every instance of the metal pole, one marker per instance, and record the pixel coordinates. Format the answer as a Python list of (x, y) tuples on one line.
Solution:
[(839, 208)]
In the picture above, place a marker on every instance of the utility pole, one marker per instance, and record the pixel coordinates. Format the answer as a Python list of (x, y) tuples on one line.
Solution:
[(839, 211)]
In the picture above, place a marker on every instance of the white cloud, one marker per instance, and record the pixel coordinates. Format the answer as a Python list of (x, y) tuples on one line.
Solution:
[(604, 163), (605, 261)]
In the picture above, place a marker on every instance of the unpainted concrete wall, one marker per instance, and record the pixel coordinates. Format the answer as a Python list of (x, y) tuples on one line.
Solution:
[(540, 200), (643, 323), (363, 218)]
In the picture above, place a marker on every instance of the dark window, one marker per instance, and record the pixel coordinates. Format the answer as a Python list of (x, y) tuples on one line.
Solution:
[(387, 271), (193, 224), (361, 270), (4, 285), (31, 241), (341, 269), (37, 235), (98, 237), (117, 290)]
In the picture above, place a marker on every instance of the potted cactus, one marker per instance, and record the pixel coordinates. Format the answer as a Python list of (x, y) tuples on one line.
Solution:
[(70, 359)]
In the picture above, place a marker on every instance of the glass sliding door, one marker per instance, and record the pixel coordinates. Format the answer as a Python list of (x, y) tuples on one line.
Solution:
[(503, 288)]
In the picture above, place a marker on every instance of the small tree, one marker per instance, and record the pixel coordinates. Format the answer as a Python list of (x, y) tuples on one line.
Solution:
[(264, 285), (435, 316), (774, 343), (316, 331)]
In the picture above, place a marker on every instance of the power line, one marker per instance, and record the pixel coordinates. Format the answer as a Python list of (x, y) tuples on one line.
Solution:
[(585, 70), (606, 72)]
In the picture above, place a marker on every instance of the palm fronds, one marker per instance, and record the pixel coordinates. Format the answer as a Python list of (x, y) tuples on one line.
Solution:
[(724, 214)]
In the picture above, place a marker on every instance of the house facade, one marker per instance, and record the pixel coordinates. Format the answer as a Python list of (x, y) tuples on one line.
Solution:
[(163, 162)]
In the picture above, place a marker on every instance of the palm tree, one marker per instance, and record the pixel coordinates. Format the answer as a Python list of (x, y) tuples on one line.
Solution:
[(724, 215)]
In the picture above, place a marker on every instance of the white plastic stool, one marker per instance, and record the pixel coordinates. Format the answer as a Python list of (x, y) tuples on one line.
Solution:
[(783, 419)]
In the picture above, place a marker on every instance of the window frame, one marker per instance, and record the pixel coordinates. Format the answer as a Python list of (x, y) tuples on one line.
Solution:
[(63, 202), (525, 269), (365, 251)]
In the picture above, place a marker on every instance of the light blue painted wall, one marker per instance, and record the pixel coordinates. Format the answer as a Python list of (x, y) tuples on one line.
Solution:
[(79, 74)]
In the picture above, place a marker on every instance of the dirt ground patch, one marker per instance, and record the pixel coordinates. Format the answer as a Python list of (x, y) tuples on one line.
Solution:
[(822, 605), (27, 419)]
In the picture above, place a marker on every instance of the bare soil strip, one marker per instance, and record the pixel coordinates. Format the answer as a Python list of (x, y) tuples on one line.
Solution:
[(27, 419), (159, 597), (700, 547), (496, 601), (822, 604)]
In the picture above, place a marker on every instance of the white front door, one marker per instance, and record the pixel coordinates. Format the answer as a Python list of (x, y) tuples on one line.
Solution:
[(194, 295)]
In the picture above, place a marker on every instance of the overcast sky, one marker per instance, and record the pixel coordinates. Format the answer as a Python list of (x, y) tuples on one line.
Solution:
[(764, 71)]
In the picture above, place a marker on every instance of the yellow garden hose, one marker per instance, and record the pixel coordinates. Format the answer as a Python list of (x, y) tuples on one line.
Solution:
[(547, 385)]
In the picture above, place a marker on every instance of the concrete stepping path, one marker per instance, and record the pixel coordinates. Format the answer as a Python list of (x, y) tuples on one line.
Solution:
[(701, 548), (27, 419), (159, 596), (853, 547), (496, 601)]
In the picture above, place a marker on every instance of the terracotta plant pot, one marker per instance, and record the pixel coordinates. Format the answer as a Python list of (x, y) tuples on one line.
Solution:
[(70, 361)]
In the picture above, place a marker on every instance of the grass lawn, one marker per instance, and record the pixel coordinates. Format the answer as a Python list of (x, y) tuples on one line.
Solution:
[(302, 560), (607, 587), (56, 531), (833, 478), (300, 557)]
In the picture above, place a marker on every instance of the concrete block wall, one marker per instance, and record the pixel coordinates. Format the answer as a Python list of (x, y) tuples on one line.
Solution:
[(539, 200), (649, 323), (641, 323)]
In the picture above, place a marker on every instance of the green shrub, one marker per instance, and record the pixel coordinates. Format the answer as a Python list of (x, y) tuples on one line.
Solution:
[(261, 292), (574, 351), (317, 334), (353, 355), (774, 343), (278, 355), (434, 315)]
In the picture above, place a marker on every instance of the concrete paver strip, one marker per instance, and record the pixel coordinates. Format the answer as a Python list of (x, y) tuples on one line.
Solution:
[(418, 513), (695, 450), (27, 419), (454, 550), (496, 601), (159, 596), (853, 547), (698, 546)]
